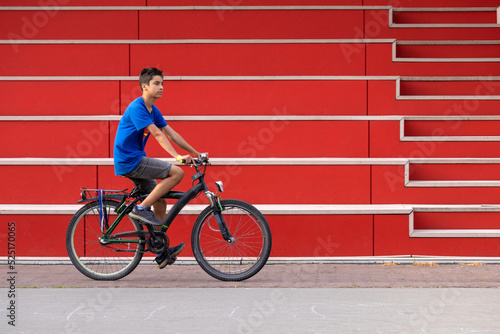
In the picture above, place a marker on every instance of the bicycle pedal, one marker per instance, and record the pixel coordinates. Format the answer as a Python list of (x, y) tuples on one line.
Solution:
[(170, 262)]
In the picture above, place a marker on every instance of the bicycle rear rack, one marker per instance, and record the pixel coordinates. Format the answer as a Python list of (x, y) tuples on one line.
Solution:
[(93, 194)]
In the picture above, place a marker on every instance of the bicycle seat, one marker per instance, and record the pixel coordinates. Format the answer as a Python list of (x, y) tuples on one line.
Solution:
[(137, 192)]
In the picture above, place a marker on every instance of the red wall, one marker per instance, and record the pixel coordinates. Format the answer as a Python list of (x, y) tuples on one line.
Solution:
[(345, 78)]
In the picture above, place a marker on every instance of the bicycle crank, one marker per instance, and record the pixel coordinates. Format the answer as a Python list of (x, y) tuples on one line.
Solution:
[(158, 242)]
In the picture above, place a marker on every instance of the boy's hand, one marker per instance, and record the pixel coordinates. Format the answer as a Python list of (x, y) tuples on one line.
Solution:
[(184, 159)]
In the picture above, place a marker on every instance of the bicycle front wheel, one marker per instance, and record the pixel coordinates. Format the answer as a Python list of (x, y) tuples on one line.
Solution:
[(98, 260), (240, 259)]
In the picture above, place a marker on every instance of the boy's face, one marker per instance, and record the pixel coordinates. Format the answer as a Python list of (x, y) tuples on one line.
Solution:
[(155, 87)]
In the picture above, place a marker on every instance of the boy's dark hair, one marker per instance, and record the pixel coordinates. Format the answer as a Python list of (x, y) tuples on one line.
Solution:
[(147, 74)]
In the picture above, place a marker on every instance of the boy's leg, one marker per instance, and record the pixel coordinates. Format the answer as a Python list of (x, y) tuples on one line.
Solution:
[(171, 175), (145, 174), (174, 177), (160, 207), (160, 210)]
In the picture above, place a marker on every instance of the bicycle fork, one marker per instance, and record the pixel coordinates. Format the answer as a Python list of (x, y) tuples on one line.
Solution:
[(217, 207)]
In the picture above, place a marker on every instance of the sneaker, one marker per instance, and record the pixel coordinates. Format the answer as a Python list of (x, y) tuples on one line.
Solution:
[(169, 256), (145, 215)]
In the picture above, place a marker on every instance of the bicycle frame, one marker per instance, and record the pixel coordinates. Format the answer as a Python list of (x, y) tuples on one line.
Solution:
[(183, 198)]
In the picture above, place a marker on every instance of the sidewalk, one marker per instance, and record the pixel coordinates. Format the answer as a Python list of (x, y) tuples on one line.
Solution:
[(275, 276)]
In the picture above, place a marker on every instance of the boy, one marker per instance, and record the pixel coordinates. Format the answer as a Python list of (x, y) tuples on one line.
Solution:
[(141, 120)]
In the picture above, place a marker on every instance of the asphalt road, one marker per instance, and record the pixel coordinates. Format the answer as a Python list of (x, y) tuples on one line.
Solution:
[(255, 310), (333, 298)]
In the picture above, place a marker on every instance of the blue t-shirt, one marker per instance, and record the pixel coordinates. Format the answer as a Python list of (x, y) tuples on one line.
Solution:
[(131, 138)]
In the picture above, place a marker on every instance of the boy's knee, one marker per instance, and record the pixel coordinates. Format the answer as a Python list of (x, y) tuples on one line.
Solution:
[(177, 173)]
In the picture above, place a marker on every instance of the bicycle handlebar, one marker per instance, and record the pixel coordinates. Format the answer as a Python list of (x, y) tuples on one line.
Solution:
[(197, 162), (203, 158)]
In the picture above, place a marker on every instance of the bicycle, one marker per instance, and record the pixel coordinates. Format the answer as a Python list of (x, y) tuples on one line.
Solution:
[(231, 239)]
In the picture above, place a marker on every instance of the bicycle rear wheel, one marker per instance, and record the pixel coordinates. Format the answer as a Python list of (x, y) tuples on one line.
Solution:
[(244, 257), (97, 260)]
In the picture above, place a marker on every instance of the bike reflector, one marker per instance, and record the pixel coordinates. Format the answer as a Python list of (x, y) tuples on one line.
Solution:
[(103, 215)]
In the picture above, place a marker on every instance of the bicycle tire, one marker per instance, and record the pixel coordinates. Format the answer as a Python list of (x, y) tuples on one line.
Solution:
[(235, 261), (89, 256)]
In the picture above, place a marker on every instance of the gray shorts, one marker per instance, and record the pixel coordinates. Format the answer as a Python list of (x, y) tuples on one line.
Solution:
[(145, 174)]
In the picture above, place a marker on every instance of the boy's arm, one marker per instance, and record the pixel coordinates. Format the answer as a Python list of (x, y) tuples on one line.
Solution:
[(162, 140), (179, 141)]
